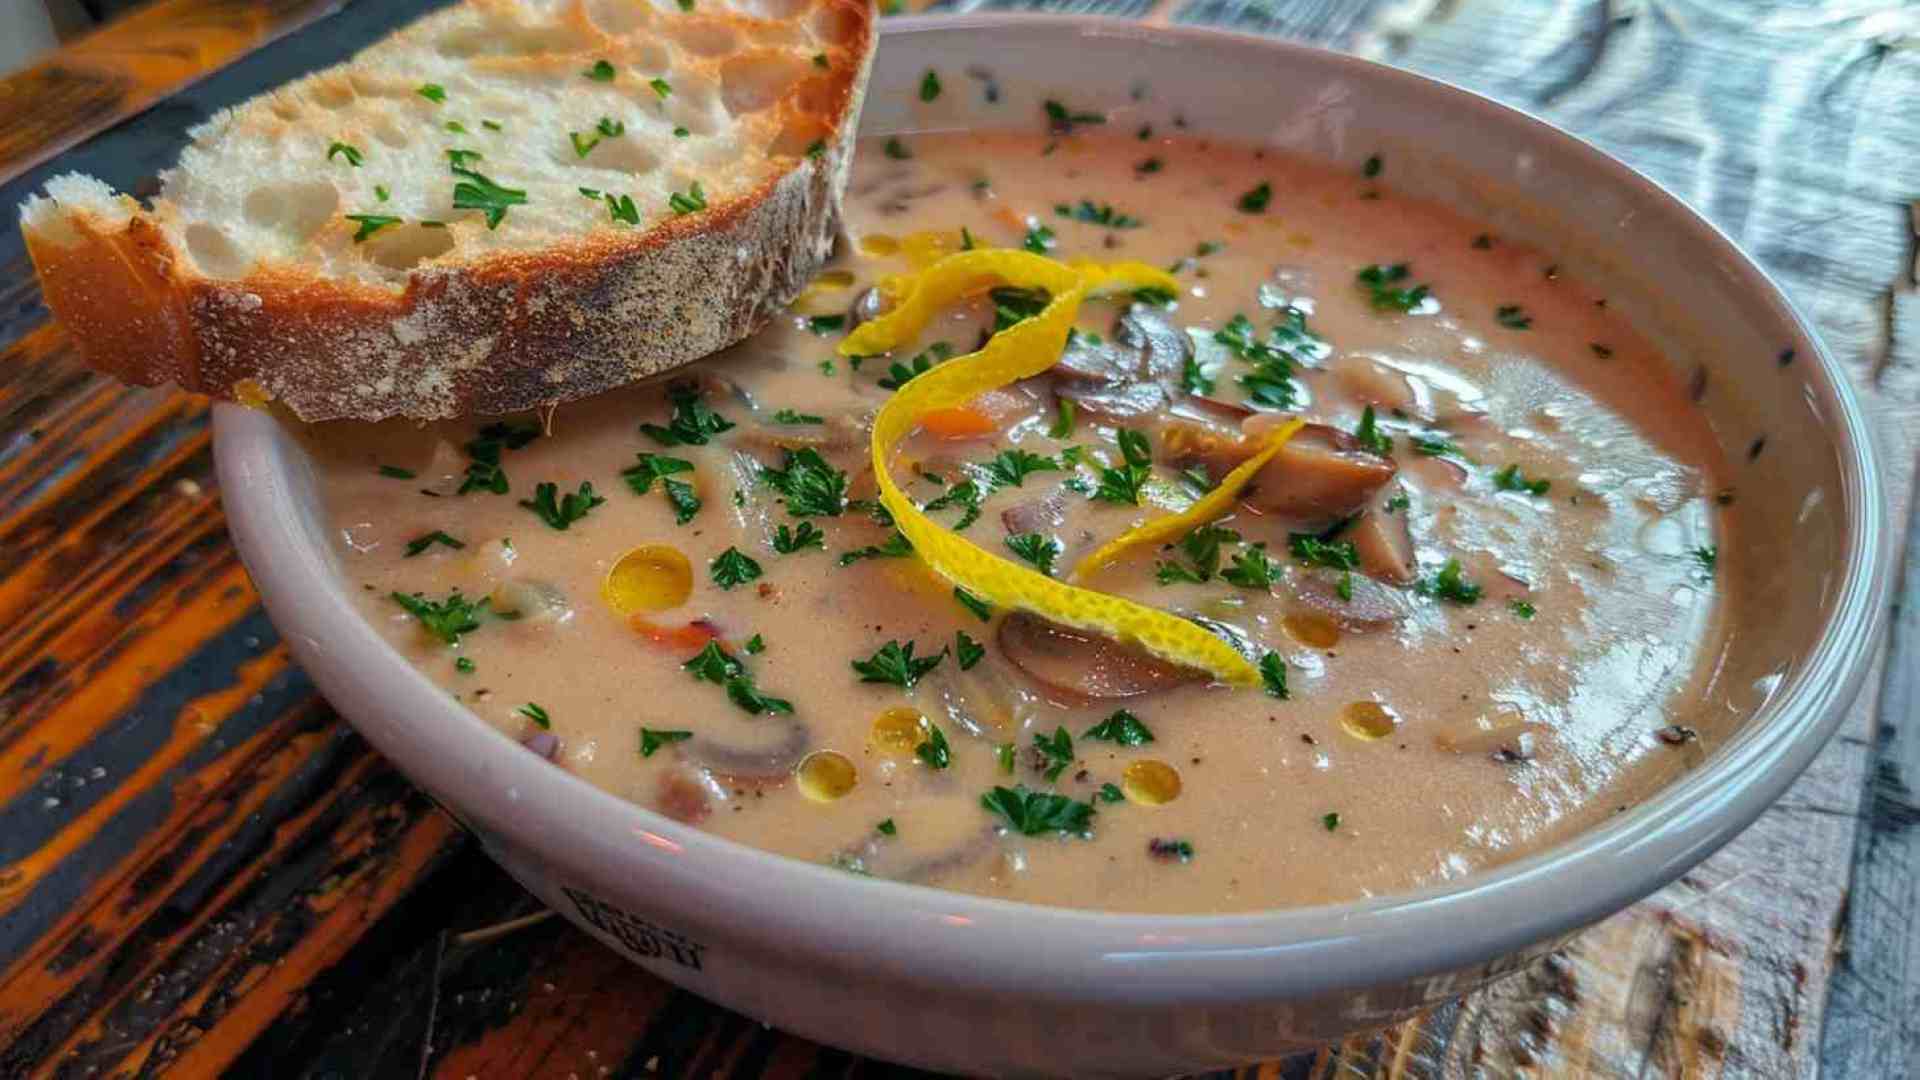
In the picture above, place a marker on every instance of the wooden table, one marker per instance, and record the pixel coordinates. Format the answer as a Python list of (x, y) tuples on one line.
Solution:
[(202, 869)]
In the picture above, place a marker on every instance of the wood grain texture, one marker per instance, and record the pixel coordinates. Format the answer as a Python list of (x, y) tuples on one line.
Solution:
[(203, 871)]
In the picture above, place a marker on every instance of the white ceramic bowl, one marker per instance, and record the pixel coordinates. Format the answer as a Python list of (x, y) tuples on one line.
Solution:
[(963, 983)]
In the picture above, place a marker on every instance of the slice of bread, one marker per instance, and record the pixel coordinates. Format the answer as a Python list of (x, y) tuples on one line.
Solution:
[(506, 204)]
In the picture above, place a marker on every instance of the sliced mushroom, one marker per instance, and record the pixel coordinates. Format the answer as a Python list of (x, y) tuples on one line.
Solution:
[(1320, 475), (1372, 606), (1042, 515), (1387, 389), (773, 761), (1384, 543), (885, 858), (1131, 374), (1085, 665), (537, 601), (683, 796), (870, 304), (839, 431), (1506, 735)]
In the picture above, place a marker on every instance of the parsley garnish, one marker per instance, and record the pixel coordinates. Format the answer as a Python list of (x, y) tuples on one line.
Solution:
[(897, 150), (1003, 753), (1010, 468), (1316, 550), (457, 157), (817, 149), (694, 199), (1179, 850), (445, 619), (396, 472), (477, 192), (1522, 608), (1012, 305), (1708, 558), (755, 645), (1513, 317), (899, 374), (966, 651), (561, 511), (1448, 584), (681, 133), (826, 324), (1056, 750), (1371, 438), (601, 71), (980, 608), (1193, 377), (934, 750), (1434, 446), (1255, 201), (380, 192), (464, 665), (714, 665), (692, 424), (929, 86), (1382, 283), (1155, 297), (886, 828), (346, 150), (1036, 548), (1124, 484), (622, 209), (1512, 479), (1202, 548), (433, 92), (456, 127), (1251, 569), (812, 487), (1034, 813), (1273, 673), (967, 495), (491, 125), (1149, 166), (788, 541), (733, 567), (1039, 239), (896, 546), (1330, 820), (1371, 167), (895, 664), (1398, 502), (536, 714), (370, 224), (788, 416), (1062, 427), (651, 740), (1123, 728), (1110, 793), (679, 493), (421, 543), (483, 471), (1086, 212), (1062, 120)]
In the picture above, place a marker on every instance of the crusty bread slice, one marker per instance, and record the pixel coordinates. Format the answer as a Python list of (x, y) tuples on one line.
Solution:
[(445, 226)]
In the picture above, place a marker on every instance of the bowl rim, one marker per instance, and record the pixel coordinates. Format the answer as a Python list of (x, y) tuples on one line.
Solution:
[(953, 938)]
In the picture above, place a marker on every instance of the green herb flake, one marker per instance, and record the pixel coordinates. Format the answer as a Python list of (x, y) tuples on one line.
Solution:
[(1330, 820), (896, 546), (1056, 750), (826, 324), (445, 619), (1371, 167), (755, 645), (1036, 548), (1512, 479), (395, 472), (622, 209), (895, 664), (464, 665), (966, 651), (897, 150), (1522, 608), (1037, 813), (1062, 427), (476, 192), (1251, 569), (693, 423), (1122, 728), (456, 127), (1039, 239), (1513, 317), (348, 151), (491, 125), (1171, 850), (789, 541), (934, 751), (980, 608), (601, 71), (1370, 437), (1256, 200), (1382, 284), (680, 132), (483, 451), (816, 149), (1707, 559), (1273, 674), (1398, 503), (1202, 549), (421, 543), (733, 567), (811, 486), (1434, 446), (930, 86), (1010, 468), (536, 714), (1125, 484), (820, 61), (1317, 550), (693, 200), (433, 92), (370, 224), (1103, 214), (561, 511), (886, 828), (652, 739), (1450, 585), (1062, 120)]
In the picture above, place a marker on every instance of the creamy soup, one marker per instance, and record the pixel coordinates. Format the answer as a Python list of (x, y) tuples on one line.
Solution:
[(1479, 584)]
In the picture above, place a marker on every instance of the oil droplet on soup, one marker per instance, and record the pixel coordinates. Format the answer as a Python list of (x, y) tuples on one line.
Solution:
[(1368, 720), (898, 730), (1150, 782), (651, 577), (826, 775), (1312, 629)]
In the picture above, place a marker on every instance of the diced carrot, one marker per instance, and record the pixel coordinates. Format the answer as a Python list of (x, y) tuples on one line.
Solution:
[(1006, 216), (691, 637), (959, 422)]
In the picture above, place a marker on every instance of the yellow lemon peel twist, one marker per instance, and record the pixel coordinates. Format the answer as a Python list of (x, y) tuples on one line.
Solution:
[(1214, 504), (1021, 351)]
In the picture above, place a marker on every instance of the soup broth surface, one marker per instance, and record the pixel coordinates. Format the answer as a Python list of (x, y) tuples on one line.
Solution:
[(1488, 572)]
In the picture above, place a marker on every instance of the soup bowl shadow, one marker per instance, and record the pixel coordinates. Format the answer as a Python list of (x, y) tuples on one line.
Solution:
[(978, 985)]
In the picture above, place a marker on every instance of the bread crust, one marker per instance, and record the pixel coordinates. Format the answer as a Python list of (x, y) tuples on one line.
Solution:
[(503, 332)]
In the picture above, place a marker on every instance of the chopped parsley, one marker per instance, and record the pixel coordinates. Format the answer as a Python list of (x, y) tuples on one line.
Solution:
[(733, 567), (980, 608), (1154, 297), (967, 495), (896, 546), (622, 209), (817, 149), (899, 374), (1317, 550), (1124, 484), (789, 416), (483, 469), (755, 645), (461, 158), (826, 324), (536, 714), (652, 740), (1512, 479), (561, 511), (966, 651), (713, 664), (1371, 167), (1013, 305), (464, 665), (1149, 166), (370, 224), (1062, 427), (1039, 239), (661, 88), (1036, 813), (491, 125), (1087, 213), (445, 619), (1173, 850), (1707, 558), (1202, 549), (1256, 200), (1036, 548), (421, 543), (1330, 820), (1384, 291), (692, 423), (476, 192), (896, 665), (811, 486), (1122, 727), (1398, 502), (1010, 468), (694, 199), (1370, 437), (679, 493), (1056, 750), (1449, 585), (1522, 608), (929, 86), (788, 541), (348, 151), (1434, 446), (1110, 793), (601, 71), (886, 828), (681, 132), (456, 127), (1003, 753), (380, 192), (1513, 317), (934, 750), (1251, 569), (1062, 120), (395, 472), (1193, 377), (1273, 674), (433, 92)]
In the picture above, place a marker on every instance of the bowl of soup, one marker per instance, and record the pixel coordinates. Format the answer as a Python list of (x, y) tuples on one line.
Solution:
[(1368, 536)]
